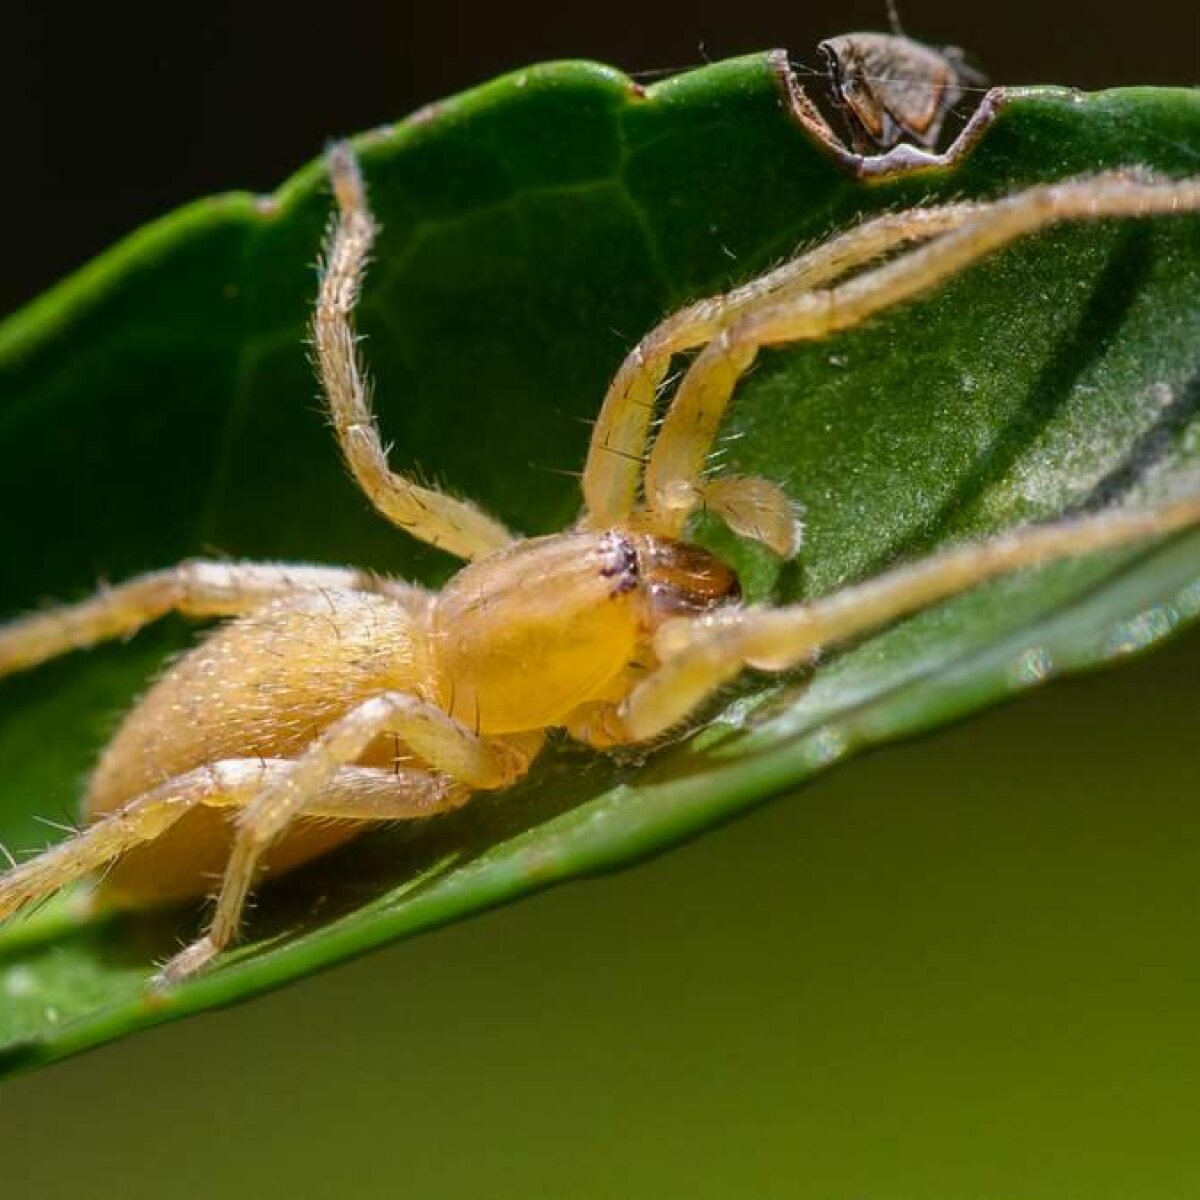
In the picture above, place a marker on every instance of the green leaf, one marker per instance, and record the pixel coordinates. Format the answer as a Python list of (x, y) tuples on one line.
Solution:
[(160, 404)]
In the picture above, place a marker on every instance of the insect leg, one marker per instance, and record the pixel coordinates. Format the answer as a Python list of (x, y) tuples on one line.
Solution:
[(675, 484)]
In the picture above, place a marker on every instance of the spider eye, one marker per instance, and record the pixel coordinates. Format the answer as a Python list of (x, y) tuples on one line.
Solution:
[(681, 579)]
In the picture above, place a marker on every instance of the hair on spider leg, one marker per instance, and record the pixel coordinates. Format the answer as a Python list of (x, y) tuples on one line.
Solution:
[(561, 472), (38, 905), (668, 383), (625, 454), (70, 828), (714, 467)]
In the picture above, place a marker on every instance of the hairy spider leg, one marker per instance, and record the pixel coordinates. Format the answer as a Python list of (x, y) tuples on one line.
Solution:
[(195, 588), (353, 794), (447, 745), (612, 473), (698, 656), (674, 480), (454, 525)]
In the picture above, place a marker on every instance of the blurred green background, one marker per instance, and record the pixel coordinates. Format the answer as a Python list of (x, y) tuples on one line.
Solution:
[(962, 967)]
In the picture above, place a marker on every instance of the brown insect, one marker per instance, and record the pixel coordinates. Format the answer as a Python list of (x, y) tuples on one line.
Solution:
[(892, 88), (894, 94)]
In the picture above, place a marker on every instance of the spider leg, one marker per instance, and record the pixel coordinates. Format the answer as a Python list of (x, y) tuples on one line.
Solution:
[(354, 793), (613, 469), (699, 655), (448, 746), (674, 482), (199, 589), (456, 526)]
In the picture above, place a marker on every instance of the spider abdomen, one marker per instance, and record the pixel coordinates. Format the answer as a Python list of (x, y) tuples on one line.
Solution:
[(261, 686)]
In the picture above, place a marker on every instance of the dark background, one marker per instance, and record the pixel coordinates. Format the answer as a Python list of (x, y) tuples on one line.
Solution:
[(118, 113)]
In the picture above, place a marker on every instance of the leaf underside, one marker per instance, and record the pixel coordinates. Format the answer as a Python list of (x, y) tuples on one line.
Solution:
[(160, 404)]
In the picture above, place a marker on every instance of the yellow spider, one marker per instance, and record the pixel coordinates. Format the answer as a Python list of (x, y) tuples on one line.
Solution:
[(337, 694)]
